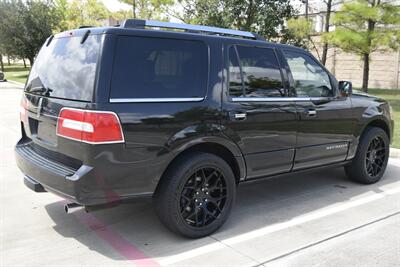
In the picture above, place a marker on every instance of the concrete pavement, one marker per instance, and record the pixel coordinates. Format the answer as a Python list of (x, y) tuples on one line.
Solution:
[(314, 219)]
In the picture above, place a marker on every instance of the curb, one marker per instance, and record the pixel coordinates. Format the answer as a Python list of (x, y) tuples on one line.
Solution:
[(395, 153)]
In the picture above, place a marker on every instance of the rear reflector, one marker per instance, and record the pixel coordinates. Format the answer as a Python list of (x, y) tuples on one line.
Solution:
[(89, 126)]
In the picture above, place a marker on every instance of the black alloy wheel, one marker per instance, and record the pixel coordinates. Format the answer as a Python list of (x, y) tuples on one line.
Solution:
[(203, 197), (371, 158), (375, 156), (196, 194)]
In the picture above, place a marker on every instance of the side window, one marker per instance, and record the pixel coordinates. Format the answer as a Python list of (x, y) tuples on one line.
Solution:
[(311, 80), (254, 72), (235, 76), (159, 68)]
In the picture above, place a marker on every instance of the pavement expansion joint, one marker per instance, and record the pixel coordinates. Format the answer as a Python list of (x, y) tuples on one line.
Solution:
[(328, 238)]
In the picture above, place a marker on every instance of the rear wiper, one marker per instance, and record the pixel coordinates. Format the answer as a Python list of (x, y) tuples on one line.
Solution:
[(37, 89), (41, 89)]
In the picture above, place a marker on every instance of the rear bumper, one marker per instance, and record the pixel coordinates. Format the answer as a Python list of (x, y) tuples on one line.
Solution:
[(44, 174)]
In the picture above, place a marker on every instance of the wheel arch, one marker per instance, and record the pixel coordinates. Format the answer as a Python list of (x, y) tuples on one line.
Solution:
[(218, 146), (379, 122)]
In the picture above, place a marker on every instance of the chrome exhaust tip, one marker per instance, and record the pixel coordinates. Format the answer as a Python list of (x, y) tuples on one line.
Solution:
[(71, 207)]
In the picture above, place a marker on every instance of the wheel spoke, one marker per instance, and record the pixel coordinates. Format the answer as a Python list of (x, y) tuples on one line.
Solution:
[(204, 217), (187, 198), (209, 213), (190, 215), (189, 187), (377, 166), (369, 168), (215, 187), (202, 197), (374, 169), (375, 156), (207, 179), (196, 214)]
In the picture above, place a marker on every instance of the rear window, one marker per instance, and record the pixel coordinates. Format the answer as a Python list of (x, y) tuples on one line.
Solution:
[(159, 68), (66, 68)]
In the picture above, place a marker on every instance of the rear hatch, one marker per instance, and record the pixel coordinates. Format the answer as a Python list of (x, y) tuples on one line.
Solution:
[(63, 75)]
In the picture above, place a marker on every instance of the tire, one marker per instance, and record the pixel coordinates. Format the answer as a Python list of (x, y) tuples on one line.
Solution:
[(368, 166), (181, 204)]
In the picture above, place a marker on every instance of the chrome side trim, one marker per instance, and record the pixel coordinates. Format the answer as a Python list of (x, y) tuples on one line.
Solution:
[(156, 100), (277, 99), (269, 99), (181, 26)]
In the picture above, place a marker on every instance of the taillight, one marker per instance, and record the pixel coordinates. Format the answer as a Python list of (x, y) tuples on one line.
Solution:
[(89, 126)]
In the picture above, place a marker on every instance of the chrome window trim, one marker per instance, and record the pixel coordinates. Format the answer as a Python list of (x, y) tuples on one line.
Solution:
[(268, 99), (156, 100)]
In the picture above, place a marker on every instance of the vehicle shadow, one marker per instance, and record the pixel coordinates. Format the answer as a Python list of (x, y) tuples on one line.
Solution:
[(259, 204)]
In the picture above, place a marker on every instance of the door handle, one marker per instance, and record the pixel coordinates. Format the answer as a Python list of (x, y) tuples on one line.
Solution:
[(239, 116), (311, 112)]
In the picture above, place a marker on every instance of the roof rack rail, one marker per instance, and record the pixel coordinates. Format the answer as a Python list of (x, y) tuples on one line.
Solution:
[(85, 26), (137, 23)]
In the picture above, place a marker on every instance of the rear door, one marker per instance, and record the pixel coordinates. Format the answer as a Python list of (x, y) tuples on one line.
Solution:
[(325, 125), (63, 75), (260, 116)]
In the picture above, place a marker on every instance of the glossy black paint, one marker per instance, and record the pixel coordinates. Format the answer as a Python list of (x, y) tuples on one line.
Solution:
[(276, 137)]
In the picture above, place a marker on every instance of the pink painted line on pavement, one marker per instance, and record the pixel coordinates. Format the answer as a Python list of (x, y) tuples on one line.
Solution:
[(120, 244), (116, 241)]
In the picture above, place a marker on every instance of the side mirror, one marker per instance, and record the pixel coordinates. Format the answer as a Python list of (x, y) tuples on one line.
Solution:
[(345, 88)]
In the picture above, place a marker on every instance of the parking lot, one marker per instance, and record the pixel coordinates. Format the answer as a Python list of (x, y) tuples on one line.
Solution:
[(309, 219)]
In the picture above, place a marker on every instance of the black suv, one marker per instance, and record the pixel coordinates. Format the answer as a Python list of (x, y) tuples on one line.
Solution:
[(184, 115)]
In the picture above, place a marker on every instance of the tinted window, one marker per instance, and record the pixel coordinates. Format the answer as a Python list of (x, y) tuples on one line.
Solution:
[(66, 68), (159, 68), (309, 77), (235, 78), (260, 71)]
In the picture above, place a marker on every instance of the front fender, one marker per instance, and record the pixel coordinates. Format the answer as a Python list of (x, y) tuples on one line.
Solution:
[(374, 115)]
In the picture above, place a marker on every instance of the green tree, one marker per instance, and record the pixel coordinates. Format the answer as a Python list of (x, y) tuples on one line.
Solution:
[(81, 13), (300, 31), (8, 27), (121, 15), (24, 26), (60, 11), (1, 60), (149, 9), (265, 17), (365, 26), (329, 4)]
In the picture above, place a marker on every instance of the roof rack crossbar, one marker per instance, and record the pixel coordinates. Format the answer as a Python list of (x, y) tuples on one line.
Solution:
[(136, 23)]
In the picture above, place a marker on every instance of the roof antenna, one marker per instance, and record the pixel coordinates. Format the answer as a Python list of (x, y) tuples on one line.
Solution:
[(50, 39), (85, 36)]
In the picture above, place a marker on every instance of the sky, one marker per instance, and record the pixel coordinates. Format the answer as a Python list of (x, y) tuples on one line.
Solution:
[(115, 5)]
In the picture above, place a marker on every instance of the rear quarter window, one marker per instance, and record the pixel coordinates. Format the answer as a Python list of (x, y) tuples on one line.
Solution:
[(146, 67)]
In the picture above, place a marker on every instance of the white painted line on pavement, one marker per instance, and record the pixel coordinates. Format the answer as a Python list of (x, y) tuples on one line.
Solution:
[(309, 217), (394, 161), (225, 243)]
